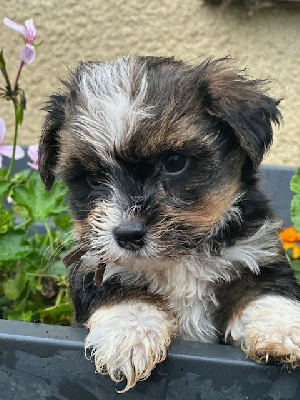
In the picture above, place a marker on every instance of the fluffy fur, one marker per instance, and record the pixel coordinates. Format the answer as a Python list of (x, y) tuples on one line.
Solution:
[(175, 236), (268, 328), (140, 341)]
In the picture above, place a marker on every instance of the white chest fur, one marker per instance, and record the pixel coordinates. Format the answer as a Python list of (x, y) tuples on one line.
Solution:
[(188, 296)]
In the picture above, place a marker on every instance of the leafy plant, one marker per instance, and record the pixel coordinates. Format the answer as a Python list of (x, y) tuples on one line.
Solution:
[(35, 234), (35, 224), (291, 236), (295, 216), (295, 205)]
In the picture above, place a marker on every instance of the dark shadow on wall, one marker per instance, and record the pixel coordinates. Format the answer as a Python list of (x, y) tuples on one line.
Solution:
[(250, 7)]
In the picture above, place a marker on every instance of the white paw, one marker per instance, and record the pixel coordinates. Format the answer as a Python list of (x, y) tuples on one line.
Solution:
[(127, 340), (269, 330)]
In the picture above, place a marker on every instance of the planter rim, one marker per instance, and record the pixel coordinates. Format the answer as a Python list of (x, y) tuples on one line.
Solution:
[(50, 361)]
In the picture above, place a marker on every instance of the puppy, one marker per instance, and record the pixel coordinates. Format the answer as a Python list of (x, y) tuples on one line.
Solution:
[(176, 238)]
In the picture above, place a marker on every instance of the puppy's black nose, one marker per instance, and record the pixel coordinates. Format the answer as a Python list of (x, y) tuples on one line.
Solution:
[(130, 236)]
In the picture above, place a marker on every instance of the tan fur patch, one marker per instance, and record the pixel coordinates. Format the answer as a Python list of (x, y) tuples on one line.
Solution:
[(210, 209), (80, 228), (169, 135)]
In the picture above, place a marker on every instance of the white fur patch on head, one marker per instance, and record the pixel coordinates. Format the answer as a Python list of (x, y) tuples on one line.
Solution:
[(268, 329), (111, 103), (127, 340)]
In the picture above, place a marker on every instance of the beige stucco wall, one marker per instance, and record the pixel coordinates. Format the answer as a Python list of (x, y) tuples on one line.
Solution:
[(266, 41)]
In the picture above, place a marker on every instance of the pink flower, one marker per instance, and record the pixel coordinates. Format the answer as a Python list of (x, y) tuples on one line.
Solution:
[(8, 149), (28, 54), (33, 154), (29, 32)]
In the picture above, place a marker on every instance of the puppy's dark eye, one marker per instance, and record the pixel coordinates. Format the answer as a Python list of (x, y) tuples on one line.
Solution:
[(175, 163)]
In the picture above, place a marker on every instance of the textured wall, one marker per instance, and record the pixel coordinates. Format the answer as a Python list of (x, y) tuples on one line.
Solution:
[(266, 41)]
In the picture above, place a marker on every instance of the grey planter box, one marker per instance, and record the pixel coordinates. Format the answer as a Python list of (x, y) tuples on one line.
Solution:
[(48, 362)]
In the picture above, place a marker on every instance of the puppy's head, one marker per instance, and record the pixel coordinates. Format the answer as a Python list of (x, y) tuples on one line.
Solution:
[(152, 151)]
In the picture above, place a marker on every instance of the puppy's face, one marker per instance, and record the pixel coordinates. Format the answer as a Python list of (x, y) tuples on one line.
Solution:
[(152, 151)]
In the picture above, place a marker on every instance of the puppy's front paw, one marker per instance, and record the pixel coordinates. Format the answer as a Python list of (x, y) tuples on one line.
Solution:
[(269, 330), (273, 345), (127, 340)]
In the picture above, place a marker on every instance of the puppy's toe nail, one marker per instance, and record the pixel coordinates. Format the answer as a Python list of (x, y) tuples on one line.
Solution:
[(267, 357)]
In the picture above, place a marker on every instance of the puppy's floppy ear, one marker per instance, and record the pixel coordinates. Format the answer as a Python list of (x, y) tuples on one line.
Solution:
[(240, 103), (49, 142)]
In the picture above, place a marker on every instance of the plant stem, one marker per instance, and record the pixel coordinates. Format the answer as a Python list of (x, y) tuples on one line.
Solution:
[(18, 75), (48, 230), (24, 223), (12, 161), (59, 296), (36, 274)]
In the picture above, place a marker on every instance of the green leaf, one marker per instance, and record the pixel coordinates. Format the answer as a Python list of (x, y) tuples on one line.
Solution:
[(21, 108), (23, 99), (22, 211), (6, 219), (17, 312), (64, 222), (57, 268), (13, 288), (60, 314), (4, 187), (296, 265), (2, 61), (13, 245), (20, 115), (295, 182), (26, 317), (39, 202), (3, 172), (20, 177), (13, 315), (295, 211)]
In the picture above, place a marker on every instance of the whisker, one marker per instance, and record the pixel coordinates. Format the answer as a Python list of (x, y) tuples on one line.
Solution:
[(67, 239)]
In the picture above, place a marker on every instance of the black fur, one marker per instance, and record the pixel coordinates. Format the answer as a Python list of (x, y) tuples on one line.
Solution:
[(48, 146), (88, 295)]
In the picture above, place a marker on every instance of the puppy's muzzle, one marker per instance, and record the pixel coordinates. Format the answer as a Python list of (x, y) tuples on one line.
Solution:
[(130, 236)]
